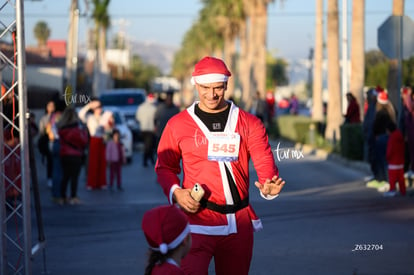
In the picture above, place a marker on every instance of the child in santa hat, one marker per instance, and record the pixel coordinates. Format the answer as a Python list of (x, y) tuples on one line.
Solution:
[(167, 231)]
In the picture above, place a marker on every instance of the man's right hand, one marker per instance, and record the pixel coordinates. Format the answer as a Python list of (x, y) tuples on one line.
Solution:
[(185, 201)]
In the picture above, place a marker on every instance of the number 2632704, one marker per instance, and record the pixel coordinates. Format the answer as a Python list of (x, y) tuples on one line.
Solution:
[(368, 247)]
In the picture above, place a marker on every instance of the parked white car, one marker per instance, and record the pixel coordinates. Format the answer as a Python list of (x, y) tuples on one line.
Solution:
[(126, 134), (127, 100)]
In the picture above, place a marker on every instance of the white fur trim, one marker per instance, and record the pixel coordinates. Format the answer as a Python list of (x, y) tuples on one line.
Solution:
[(163, 248), (257, 225), (179, 238), (208, 78), (170, 197), (382, 101)]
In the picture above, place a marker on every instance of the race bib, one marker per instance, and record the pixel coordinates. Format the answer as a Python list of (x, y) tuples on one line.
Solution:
[(223, 146)]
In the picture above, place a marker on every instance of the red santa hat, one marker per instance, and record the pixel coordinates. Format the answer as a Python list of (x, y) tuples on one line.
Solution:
[(210, 70), (404, 90), (382, 97), (151, 98), (165, 227)]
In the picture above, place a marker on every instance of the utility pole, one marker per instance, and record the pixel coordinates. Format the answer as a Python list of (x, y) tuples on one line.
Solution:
[(72, 47), (344, 54)]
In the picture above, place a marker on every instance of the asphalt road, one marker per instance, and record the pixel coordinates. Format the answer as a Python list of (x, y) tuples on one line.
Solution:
[(325, 222)]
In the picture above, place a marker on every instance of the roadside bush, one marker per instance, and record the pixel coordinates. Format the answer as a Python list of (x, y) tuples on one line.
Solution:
[(352, 142)]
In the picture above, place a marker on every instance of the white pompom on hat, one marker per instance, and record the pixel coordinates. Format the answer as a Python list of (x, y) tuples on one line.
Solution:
[(210, 70), (165, 227)]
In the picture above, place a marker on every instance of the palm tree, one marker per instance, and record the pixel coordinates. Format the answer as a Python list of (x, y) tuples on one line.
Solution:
[(358, 52), (394, 64), (42, 33), (192, 50), (334, 116), (226, 16), (317, 106), (253, 76)]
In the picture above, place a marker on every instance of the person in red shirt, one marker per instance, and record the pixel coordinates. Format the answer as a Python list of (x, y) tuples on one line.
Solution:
[(395, 158), (352, 112), (167, 231), (211, 143)]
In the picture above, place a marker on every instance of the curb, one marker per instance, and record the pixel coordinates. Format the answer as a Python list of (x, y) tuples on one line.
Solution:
[(308, 149)]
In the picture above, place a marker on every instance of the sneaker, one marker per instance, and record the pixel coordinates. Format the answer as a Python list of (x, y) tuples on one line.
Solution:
[(384, 187), (74, 201), (373, 184), (409, 174), (390, 194), (369, 178)]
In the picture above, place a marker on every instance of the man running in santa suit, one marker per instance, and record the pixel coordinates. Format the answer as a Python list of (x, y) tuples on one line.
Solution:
[(214, 140)]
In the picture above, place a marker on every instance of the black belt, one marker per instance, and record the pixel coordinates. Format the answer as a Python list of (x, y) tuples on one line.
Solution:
[(225, 208)]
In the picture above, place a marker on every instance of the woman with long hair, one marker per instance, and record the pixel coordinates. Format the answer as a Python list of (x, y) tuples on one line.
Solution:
[(73, 141)]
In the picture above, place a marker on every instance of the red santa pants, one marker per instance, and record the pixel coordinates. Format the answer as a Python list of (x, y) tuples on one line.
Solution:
[(97, 163), (232, 253), (394, 176)]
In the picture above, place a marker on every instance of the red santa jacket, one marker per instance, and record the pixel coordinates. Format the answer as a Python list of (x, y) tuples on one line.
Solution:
[(395, 150), (185, 139), (73, 140)]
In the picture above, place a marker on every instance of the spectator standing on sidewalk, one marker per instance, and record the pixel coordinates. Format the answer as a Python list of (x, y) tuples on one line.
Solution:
[(271, 103), (167, 231), (165, 110), (294, 105), (54, 143), (368, 134), (260, 108), (408, 116), (145, 115), (395, 159), (91, 115), (43, 139), (212, 141), (115, 158), (384, 115), (73, 142), (352, 112)]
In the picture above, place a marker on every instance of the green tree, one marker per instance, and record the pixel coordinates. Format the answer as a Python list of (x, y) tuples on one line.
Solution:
[(276, 72), (376, 69), (42, 33), (408, 72), (139, 75)]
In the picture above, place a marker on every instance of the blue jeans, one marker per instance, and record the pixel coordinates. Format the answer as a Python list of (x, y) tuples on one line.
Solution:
[(57, 169), (380, 160)]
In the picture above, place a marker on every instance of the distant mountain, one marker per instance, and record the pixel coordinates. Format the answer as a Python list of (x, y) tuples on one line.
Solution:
[(155, 54)]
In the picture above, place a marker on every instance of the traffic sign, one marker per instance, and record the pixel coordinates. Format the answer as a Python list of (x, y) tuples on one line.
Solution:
[(396, 37)]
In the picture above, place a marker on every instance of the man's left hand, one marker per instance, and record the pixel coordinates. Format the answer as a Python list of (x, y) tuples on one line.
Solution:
[(271, 187)]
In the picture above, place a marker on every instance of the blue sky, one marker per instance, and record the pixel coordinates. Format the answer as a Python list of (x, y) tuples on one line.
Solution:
[(290, 27)]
